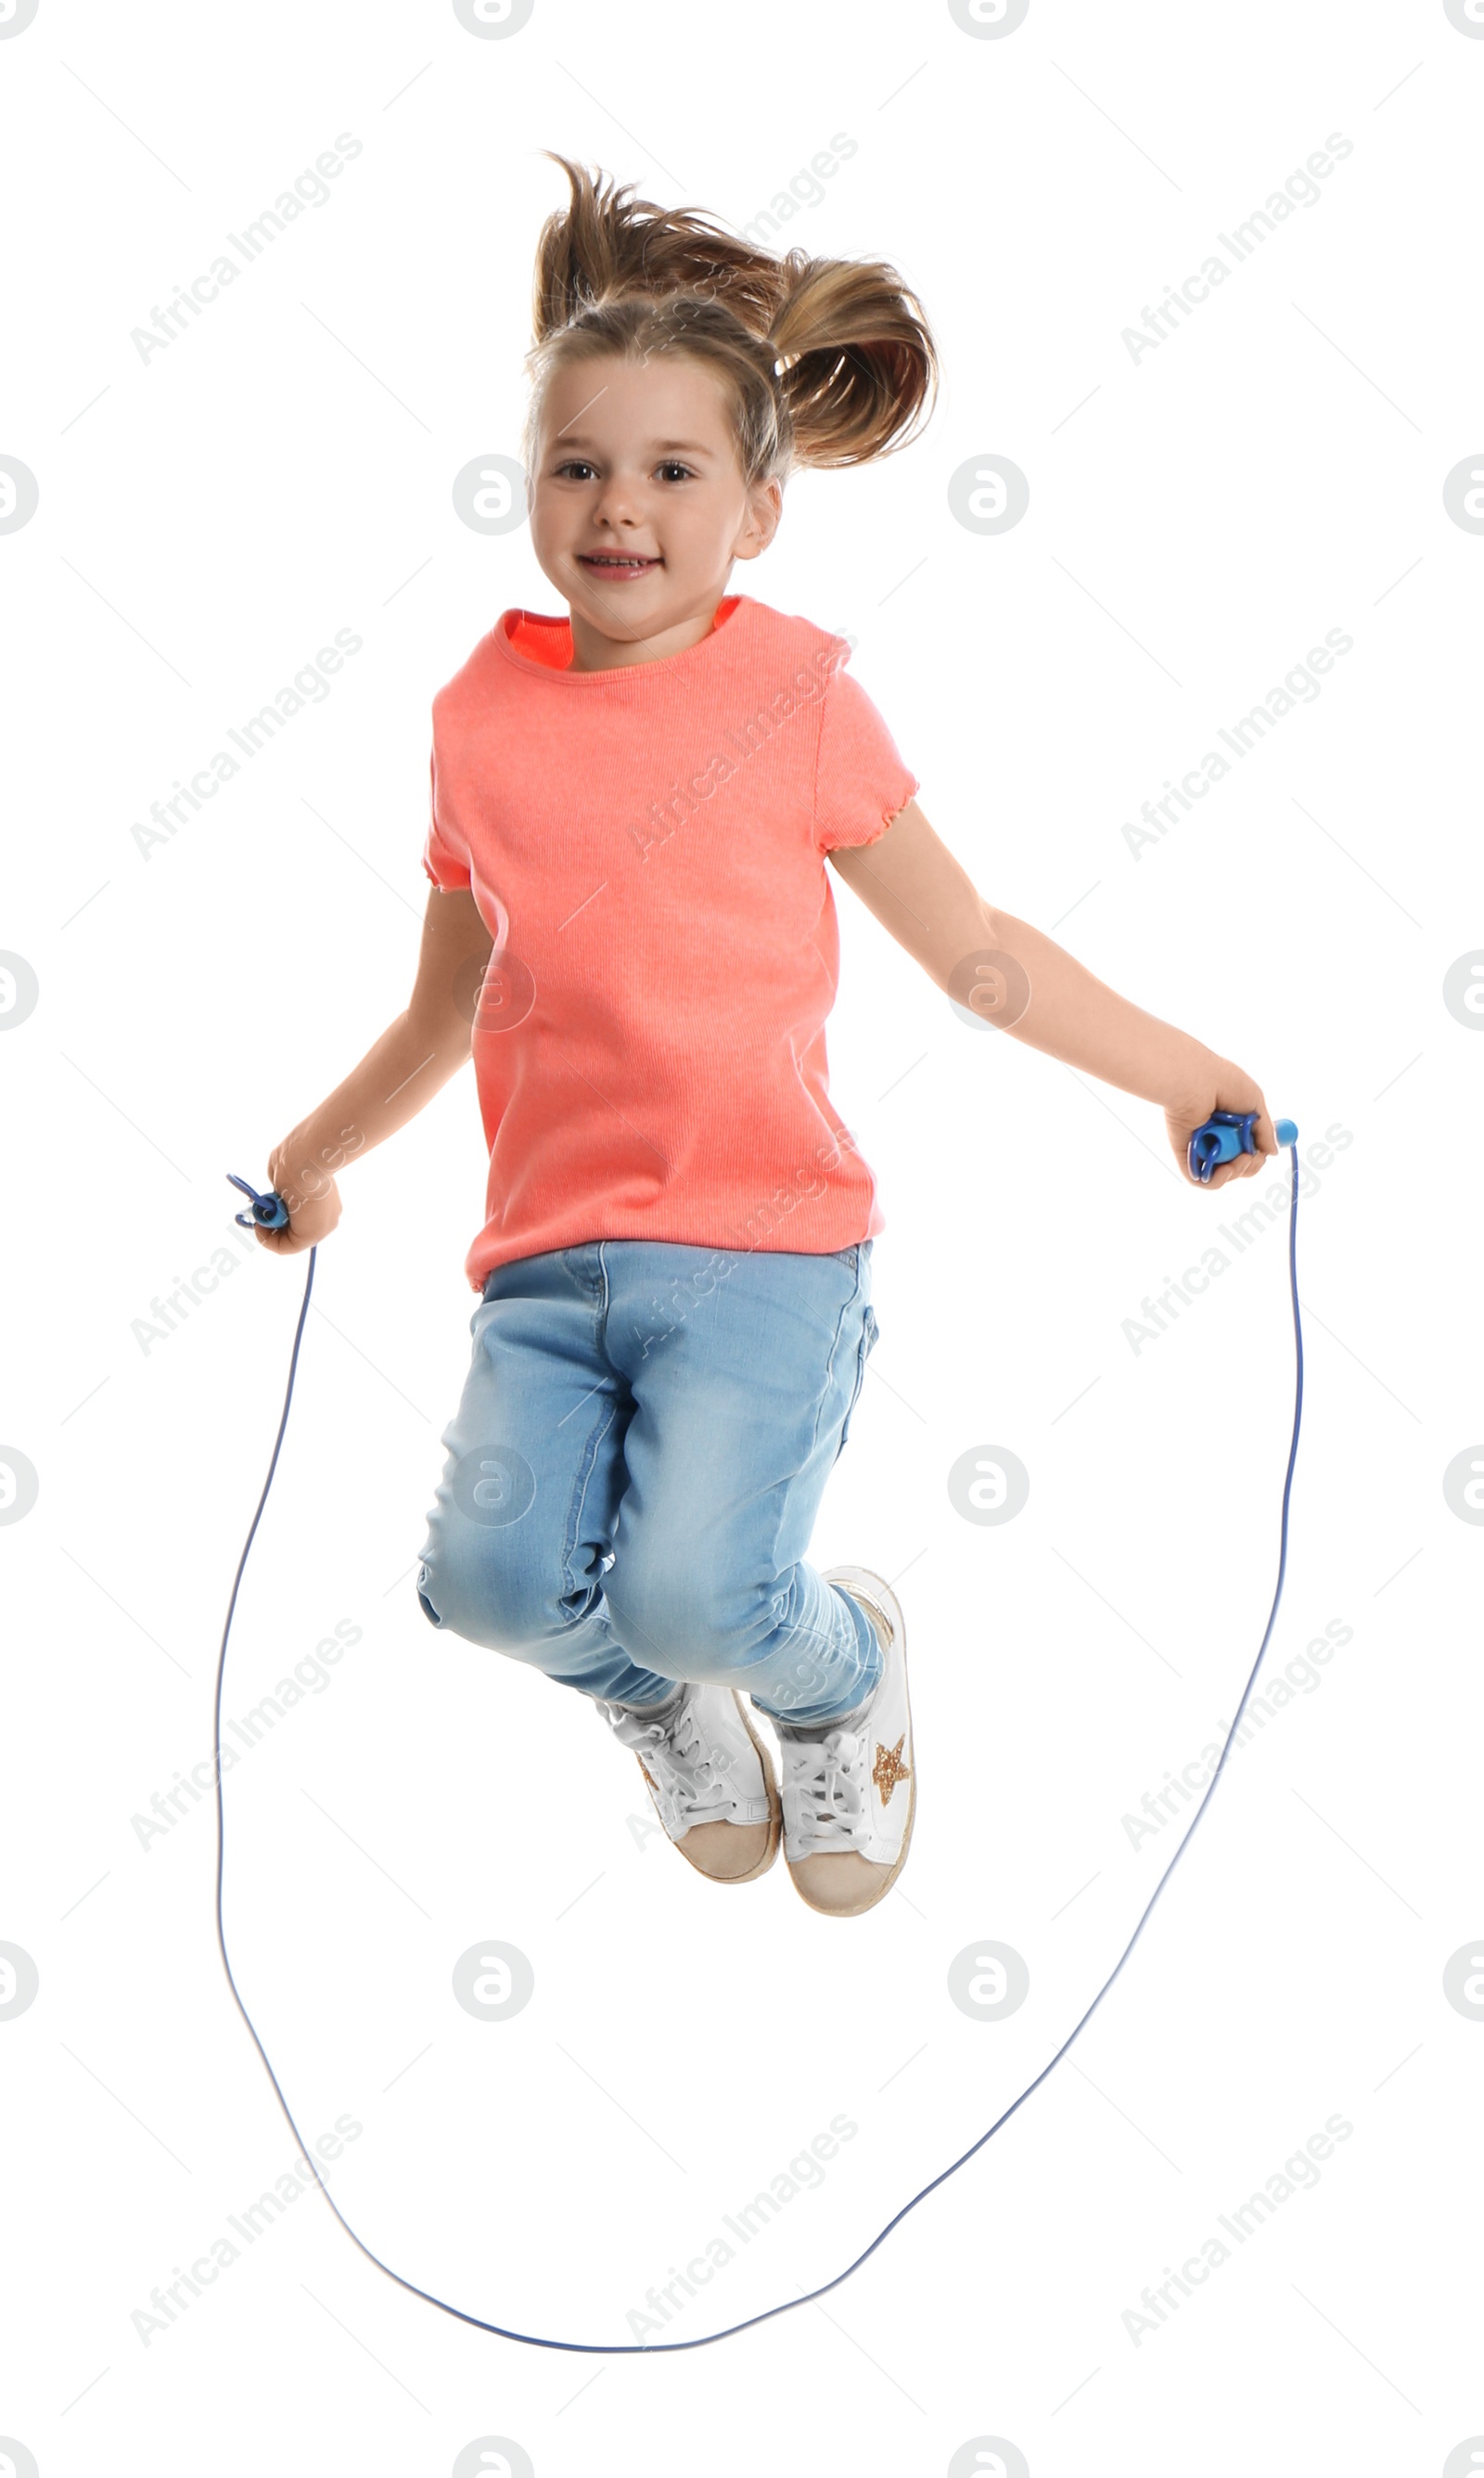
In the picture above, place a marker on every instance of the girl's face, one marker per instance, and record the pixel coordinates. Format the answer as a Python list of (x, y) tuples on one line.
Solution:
[(638, 502)]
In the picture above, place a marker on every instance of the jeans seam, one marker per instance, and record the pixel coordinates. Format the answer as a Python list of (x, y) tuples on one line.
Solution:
[(589, 1462), (576, 1509), (829, 1373), (600, 1335), (869, 1338)]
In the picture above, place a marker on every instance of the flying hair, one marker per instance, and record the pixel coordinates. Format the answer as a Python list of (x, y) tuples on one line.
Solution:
[(826, 362)]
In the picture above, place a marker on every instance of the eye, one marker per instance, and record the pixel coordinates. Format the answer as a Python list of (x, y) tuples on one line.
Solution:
[(574, 464), (672, 465)]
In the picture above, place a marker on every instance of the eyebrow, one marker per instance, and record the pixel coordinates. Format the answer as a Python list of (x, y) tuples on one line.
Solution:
[(658, 447)]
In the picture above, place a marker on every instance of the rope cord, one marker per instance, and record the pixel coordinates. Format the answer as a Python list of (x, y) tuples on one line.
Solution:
[(806, 2297)]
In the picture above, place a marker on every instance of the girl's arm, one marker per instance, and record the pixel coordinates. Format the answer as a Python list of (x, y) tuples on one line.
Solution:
[(396, 1078), (917, 891)]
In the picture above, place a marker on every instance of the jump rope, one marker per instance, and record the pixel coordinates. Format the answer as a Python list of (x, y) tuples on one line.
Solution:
[(1224, 1135)]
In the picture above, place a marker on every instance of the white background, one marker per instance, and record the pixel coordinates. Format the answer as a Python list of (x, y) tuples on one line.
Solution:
[(1198, 518)]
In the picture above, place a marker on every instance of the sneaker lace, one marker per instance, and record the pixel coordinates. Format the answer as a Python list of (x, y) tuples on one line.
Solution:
[(690, 1780), (824, 1789)]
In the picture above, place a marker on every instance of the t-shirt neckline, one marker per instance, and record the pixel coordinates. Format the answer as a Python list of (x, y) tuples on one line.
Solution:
[(727, 611)]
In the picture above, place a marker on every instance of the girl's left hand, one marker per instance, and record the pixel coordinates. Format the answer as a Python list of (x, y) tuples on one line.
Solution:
[(1227, 1088)]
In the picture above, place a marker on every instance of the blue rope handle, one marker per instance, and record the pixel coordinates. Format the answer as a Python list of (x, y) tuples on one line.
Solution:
[(704, 2340)]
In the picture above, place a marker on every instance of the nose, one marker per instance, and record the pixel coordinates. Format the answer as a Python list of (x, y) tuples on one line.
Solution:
[(617, 503)]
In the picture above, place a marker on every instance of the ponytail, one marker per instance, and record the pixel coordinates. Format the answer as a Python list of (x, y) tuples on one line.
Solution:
[(827, 362)]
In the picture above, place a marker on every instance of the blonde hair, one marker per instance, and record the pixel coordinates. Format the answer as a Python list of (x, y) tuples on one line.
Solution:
[(825, 360)]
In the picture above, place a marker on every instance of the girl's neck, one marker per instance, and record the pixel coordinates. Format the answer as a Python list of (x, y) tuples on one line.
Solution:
[(593, 651)]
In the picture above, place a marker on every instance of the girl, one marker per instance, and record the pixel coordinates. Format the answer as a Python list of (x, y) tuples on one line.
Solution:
[(631, 930)]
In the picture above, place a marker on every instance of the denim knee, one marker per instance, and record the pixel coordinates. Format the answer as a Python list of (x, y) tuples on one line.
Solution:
[(673, 1622), (484, 1589)]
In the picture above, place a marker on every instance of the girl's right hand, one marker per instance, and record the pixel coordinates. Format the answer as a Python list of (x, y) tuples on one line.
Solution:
[(311, 1216), (1221, 1085)]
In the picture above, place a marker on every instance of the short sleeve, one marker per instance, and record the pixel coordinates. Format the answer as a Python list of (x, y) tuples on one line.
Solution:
[(444, 851), (860, 779)]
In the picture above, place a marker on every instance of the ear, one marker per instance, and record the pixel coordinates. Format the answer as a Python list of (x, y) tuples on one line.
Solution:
[(765, 512)]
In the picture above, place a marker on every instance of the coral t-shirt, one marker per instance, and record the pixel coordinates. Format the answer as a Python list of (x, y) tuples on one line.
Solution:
[(647, 847)]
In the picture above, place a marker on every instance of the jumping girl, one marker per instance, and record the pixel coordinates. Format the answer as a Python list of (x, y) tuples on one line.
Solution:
[(631, 930)]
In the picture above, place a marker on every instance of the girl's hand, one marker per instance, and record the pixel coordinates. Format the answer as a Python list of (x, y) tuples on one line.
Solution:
[(1225, 1088), (314, 1202)]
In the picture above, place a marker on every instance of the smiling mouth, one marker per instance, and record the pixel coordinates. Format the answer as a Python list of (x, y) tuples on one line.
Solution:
[(618, 563)]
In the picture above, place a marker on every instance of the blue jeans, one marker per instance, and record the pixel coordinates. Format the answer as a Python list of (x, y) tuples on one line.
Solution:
[(636, 1464)]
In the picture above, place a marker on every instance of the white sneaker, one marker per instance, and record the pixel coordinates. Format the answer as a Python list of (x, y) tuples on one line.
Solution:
[(709, 1778), (849, 1786)]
